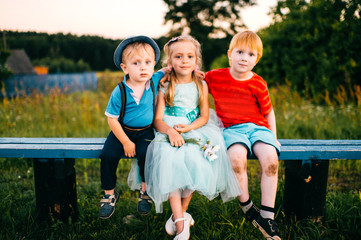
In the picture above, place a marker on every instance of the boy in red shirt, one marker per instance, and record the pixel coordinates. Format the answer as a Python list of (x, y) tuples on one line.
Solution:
[(243, 104)]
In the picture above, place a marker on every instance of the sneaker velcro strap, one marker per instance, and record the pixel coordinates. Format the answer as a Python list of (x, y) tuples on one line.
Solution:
[(109, 200), (146, 197), (148, 200), (106, 200)]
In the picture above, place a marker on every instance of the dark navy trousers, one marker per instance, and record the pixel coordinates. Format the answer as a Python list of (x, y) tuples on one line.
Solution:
[(113, 151)]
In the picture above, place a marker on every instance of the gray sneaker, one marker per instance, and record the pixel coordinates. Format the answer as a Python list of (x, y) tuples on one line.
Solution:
[(268, 227), (107, 205)]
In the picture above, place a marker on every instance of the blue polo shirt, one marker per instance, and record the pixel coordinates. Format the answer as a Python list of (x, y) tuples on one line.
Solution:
[(138, 112)]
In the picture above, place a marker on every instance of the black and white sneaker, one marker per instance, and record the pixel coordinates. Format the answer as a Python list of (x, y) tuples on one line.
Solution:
[(252, 213), (107, 205), (268, 227)]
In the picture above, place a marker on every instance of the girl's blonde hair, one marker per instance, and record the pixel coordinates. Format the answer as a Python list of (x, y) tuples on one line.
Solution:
[(169, 95), (247, 39)]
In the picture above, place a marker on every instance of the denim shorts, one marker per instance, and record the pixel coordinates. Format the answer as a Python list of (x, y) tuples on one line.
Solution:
[(248, 134)]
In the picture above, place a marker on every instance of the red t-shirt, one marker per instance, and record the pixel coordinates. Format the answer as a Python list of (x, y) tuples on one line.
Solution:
[(239, 101)]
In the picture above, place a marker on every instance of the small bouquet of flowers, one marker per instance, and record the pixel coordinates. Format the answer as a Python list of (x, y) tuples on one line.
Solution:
[(208, 149)]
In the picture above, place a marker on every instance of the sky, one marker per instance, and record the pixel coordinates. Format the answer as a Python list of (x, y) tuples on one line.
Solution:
[(115, 19)]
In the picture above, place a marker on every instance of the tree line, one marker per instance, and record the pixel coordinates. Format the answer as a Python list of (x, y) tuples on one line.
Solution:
[(93, 50), (313, 45)]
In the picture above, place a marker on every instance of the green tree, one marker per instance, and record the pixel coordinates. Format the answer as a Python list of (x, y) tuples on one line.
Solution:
[(211, 22), (63, 65), (4, 71), (314, 44), (205, 18), (93, 50), (220, 62)]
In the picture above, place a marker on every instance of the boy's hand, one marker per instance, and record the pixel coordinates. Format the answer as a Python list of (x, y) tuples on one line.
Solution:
[(278, 143), (182, 128), (175, 139), (129, 149)]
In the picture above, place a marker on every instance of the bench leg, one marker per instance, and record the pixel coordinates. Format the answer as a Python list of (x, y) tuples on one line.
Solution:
[(55, 189), (302, 199)]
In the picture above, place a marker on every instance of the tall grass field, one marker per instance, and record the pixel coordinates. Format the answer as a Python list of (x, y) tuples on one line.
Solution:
[(82, 115)]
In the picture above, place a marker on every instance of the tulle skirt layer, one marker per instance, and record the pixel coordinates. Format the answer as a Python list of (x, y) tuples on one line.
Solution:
[(169, 170)]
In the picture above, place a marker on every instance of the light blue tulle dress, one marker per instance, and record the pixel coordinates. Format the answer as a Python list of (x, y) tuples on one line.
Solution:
[(168, 168)]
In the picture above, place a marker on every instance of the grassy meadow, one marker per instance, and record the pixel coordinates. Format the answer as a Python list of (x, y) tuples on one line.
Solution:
[(82, 115)]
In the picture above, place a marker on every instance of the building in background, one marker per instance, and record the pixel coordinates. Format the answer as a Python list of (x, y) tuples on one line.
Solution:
[(19, 63)]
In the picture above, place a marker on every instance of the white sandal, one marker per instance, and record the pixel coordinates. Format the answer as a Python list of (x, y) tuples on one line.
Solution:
[(170, 227), (184, 235)]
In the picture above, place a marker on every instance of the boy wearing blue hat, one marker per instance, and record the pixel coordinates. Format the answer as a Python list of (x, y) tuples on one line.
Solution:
[(130, 113)]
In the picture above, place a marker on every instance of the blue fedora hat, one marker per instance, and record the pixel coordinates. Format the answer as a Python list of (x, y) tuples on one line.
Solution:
[(119, 50)]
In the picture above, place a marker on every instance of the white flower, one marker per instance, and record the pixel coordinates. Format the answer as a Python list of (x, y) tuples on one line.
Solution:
[(210, 151), (207, 152), (216, 148), (212, 157)]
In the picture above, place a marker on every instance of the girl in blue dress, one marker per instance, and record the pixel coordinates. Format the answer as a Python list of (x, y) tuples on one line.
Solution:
[(188, 152)]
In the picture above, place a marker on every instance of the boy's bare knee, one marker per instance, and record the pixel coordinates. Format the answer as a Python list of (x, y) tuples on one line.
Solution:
[(239, 163), (238, 157), (240, 167), (272, 169)]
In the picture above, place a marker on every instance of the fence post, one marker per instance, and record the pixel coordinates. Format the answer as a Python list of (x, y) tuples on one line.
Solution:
[(55, 189)]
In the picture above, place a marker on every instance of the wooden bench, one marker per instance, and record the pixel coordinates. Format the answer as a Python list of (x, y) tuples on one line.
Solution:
[(54, 166), (292, 149)]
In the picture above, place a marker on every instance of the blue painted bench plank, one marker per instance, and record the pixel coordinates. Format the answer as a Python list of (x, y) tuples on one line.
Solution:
[(50, 150), (292, 149), (83, 141), (284, 142), (320, 142)]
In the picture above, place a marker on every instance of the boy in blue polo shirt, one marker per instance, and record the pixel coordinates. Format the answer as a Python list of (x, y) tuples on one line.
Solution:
[(130, 113)]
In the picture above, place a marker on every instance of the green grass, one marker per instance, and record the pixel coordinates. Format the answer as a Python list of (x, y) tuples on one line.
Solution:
[(214, 220), (82, 115)]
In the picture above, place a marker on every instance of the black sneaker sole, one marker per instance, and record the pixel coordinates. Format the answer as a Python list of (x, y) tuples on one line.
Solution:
[(111, 214), (265, 234), (144, 214)]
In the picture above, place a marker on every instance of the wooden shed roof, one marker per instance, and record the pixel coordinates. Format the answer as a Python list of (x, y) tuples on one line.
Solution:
[(20, 63)]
